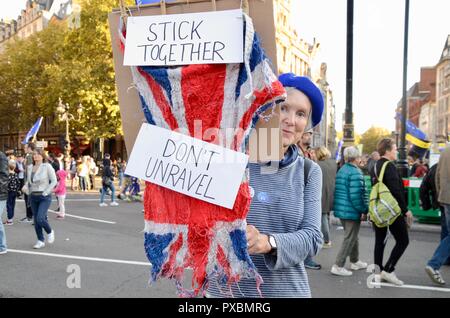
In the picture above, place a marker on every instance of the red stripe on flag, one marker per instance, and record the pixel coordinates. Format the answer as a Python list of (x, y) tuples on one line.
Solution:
[(202, 88), (160, 100), (169, 270)]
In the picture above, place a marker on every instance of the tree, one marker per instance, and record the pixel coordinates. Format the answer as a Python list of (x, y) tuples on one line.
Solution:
[(75, 65), (371, 137)]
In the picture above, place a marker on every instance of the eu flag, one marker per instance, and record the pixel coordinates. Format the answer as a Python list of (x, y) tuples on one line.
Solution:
[(33, 131)]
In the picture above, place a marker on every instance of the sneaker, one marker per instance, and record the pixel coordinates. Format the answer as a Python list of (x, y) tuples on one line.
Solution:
[(358, 265), (39, 244), (114, 204), (435, 275), (25, 220), (51, 237), (8, 222), (313, 265), (390, 278), (60, 217), (326, 245), (3, 252), (340, 271), (103, 204)]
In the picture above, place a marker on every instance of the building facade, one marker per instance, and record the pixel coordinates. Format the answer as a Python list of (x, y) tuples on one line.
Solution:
[(443, 94), (421, 94), (297, 56)]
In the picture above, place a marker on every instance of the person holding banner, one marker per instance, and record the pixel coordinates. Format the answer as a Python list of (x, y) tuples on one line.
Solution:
[(285, 214)]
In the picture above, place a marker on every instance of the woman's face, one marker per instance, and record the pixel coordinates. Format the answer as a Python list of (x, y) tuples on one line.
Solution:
[(294, 116), (37, 156), (392, 155)]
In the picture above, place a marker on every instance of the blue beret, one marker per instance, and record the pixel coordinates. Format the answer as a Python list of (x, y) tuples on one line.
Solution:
[(307, 87)]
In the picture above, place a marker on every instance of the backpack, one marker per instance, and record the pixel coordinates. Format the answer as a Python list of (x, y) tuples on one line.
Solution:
[(383, 207)]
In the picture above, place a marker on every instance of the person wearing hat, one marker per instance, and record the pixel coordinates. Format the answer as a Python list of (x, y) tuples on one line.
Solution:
[(283, 223)]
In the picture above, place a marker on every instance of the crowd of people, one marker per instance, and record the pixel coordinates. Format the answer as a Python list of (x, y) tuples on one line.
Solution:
[(289, 218), (35, 175)]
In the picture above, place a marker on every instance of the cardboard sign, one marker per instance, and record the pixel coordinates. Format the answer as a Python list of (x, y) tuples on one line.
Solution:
[(262, 14), (187, 165), (183, 39)]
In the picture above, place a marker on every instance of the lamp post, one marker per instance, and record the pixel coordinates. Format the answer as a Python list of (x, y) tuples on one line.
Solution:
[(349, 135), (402, 164), (64, 115)]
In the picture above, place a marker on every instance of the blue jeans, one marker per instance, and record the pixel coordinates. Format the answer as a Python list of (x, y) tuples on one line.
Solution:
[(3, 246), (103, 192), (40, 205), (11, 204), (443, 250), (120, 179)]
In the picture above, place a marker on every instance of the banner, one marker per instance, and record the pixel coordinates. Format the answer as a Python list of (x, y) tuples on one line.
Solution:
[(185, 39), (187, 165)]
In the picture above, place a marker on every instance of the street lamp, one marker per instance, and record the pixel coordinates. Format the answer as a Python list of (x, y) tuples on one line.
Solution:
[(64, 115)]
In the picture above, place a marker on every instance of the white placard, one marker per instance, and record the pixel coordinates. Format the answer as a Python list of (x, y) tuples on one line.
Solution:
[(183, 39), (187, 165)]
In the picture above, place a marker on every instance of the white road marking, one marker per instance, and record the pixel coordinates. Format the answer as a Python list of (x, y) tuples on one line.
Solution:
[(95, 259), (84, 218), (440, 289)]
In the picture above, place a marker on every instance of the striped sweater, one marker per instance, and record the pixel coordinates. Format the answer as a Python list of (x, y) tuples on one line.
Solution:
[(282, 207)]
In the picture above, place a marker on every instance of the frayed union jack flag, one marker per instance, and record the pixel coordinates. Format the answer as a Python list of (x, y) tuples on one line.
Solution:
[(180, 231)]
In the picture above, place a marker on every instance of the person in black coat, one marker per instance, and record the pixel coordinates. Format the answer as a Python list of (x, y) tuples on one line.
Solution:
[(429, 200), (399, 228)]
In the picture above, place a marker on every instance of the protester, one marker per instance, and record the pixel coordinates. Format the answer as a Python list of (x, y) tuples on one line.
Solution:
[(20, 167), (120, 171), (13, 189), (399, 228), (82, 172), (284, 218), (73, 174), (60, 192), (351, 207), (29, 149), (374, 157), (442, 253), (41, 179), (3, 198), (304, 145), (328, 167), (107, 182), (93, 170), (429, 200)]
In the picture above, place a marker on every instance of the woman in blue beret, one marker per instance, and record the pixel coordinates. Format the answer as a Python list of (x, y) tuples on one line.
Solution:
[(285, 214)]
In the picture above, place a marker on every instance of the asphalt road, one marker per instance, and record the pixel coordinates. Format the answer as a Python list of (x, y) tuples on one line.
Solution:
[(106, 250)]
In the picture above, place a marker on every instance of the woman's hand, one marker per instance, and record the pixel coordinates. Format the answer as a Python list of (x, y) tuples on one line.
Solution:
[(257, 243), (409, 218)]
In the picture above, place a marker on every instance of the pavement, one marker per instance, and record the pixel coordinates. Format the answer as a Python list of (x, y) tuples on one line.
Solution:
[(98, 252)]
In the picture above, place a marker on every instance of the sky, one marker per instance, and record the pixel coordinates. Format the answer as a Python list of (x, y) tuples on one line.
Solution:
[(378, 49)]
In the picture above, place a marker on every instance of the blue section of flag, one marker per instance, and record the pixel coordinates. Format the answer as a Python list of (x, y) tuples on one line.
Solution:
[(33, 131), (412, 129)]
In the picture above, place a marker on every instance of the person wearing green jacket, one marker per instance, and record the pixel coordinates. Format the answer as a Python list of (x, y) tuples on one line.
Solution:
[(350, 206)]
